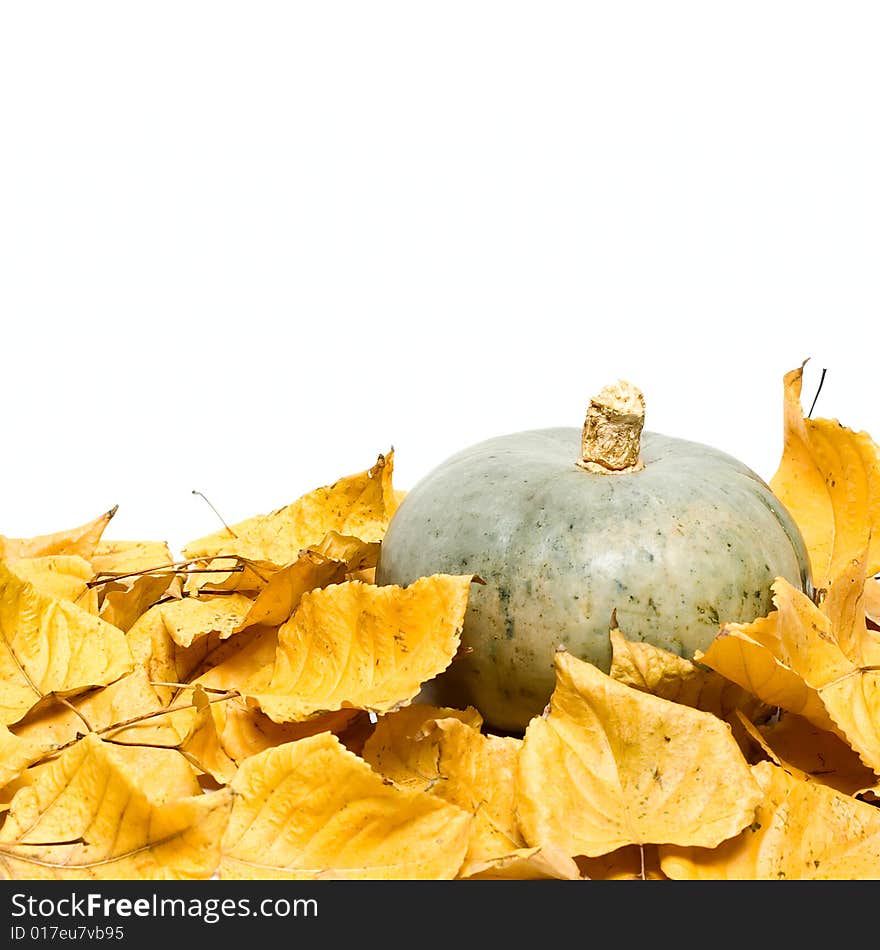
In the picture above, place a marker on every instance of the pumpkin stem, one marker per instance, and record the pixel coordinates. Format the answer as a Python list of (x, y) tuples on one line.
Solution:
[(612, 430)]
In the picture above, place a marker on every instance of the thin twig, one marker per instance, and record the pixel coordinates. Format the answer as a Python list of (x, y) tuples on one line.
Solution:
[(821, 380), (73, 709), (196, 492)]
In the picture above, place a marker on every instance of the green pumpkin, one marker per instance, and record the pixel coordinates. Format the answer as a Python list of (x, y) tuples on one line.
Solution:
[(685, 539)]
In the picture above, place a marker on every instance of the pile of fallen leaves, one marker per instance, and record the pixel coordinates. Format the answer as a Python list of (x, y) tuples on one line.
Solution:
[(253, 710)]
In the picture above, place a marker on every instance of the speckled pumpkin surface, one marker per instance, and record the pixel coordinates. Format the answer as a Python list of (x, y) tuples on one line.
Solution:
[(692, 539)]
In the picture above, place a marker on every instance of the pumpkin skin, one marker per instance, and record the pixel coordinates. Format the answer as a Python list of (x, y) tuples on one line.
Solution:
[(693, 539)]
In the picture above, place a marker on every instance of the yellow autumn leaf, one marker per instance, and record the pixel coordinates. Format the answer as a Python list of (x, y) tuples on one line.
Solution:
[(190, 618), (392, 747), (49, 645), (872, 600), (81, 541), (243, 730), (131, 576), (17, 753), (277, 601), (812, 754), (116, 558), (175, 640), (131, 698), (828, 658), (311, 809), (752, 655), (62, 576), (93, 798), (801, 831), (358, 505), (610, 766), (829, 480), (247, 659), (451, 758), (202, 745), (357, 645), (665, 674), (831, 648)]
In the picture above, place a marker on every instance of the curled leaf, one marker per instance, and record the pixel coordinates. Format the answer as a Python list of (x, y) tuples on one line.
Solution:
[(358, 505), (829, 480), (361, 646)]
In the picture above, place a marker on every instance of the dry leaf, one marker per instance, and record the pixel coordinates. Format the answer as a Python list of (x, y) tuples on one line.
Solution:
[(358, 505), (312, 809), (802, 830), (62, 576), (813, 755), (129, 698), (49, 645), (131, 576), (92, 797), (81, 541), (450, 758), (202, 743), (16, 754), (829, 480), (610, 766), (362, 646), (390, 748), (835, 653), (173, 641), (277, 601), (657, 671), (244, 731), (752, 655)]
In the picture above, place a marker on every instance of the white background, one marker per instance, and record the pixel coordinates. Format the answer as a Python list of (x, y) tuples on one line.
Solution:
[(245, 247)]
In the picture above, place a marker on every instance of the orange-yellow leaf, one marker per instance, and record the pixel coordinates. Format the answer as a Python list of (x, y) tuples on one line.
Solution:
[(358, 505), (813, 754), (131, 576), (872, 600), (610, 766), (16, 754), (665, 674), (276, 602), (244, 731), (202, 743), (831, 648), (451, 758), (173, 641), (802, 831), (62, 576), (357, 645), (751, 654), (190, 618), (49, 645), (391, 747), (91, 796), (245, 659), (312, 809), (81, 541), (129, 697), (829, 480)]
